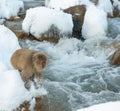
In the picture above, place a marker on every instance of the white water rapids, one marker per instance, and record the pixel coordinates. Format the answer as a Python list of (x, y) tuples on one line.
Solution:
[(78, 73)]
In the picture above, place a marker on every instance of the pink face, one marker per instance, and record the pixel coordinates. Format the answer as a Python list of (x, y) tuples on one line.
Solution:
[(43, 64), (40, 61)]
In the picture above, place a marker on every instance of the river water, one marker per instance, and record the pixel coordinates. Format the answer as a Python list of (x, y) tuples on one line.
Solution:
[(78, 73)]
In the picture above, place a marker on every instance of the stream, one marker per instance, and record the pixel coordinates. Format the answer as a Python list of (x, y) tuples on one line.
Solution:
[(78, 73)]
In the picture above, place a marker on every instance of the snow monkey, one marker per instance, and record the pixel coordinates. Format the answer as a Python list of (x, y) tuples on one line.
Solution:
[(30, 63)]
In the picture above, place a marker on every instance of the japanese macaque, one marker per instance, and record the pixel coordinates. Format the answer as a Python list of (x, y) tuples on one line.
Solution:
[(30, 63)]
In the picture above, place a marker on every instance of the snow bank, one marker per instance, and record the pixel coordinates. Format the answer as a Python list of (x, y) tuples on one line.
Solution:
[(39, 20), (10, 8), (61, 4), (12, 90), (8, 44), (95, 23), (110, 106)]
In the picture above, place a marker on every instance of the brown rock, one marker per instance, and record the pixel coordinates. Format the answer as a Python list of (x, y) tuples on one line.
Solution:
[(41, 104), (16, 19), (77, 13), (22, 35), (95, 1), (115, 58), (116, 11), (50, 39)]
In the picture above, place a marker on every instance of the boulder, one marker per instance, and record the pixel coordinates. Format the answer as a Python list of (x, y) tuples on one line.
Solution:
[(41, 104), (95, 1), (77, 13), (15, 25), (115, 58), (58, 25), (116, 11)]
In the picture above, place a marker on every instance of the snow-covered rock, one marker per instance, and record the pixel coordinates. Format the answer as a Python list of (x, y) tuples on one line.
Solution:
[(61, 4), (95, 23), (40, 20), (10, 8), (78, 13)]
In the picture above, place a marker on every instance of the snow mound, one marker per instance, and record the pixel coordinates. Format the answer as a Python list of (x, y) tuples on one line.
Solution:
[(39, 20), (8, 44), (61, 4), (13, 92), (110, 106), (10, 8), (95, 23)]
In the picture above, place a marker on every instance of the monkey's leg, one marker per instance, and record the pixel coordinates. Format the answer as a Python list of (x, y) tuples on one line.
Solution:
[(25, 78), (38, 80)]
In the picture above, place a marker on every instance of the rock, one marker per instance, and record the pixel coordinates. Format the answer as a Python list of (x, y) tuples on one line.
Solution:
[(52, 35), (41, 104), (116, 11), (78, 13), (115, 58), (14, 19), (32, 4), (95, 1), (58, 25), (16, 27), (58, 98), (50, 39)]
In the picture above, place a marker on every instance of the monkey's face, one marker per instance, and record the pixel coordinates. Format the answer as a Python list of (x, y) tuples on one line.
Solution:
[(39, 61)]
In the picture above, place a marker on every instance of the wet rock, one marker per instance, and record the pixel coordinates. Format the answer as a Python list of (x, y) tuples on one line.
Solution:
[(78, 13), (52, 35), (113, 27), (16, 27), (95, 1), (41, 104), (32, 4), (115, 58), (116, 11), (58, 98)]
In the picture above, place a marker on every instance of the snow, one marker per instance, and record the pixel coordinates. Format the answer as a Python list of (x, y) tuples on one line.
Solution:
[(8, 43), (116, 3), (10, 8), (39, 20), (61, 4), (95, 23), (110, 106), (86, 2), (106, 5), (12, 90)]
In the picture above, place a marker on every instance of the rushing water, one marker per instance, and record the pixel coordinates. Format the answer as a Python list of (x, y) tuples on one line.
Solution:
[(78, 73)]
